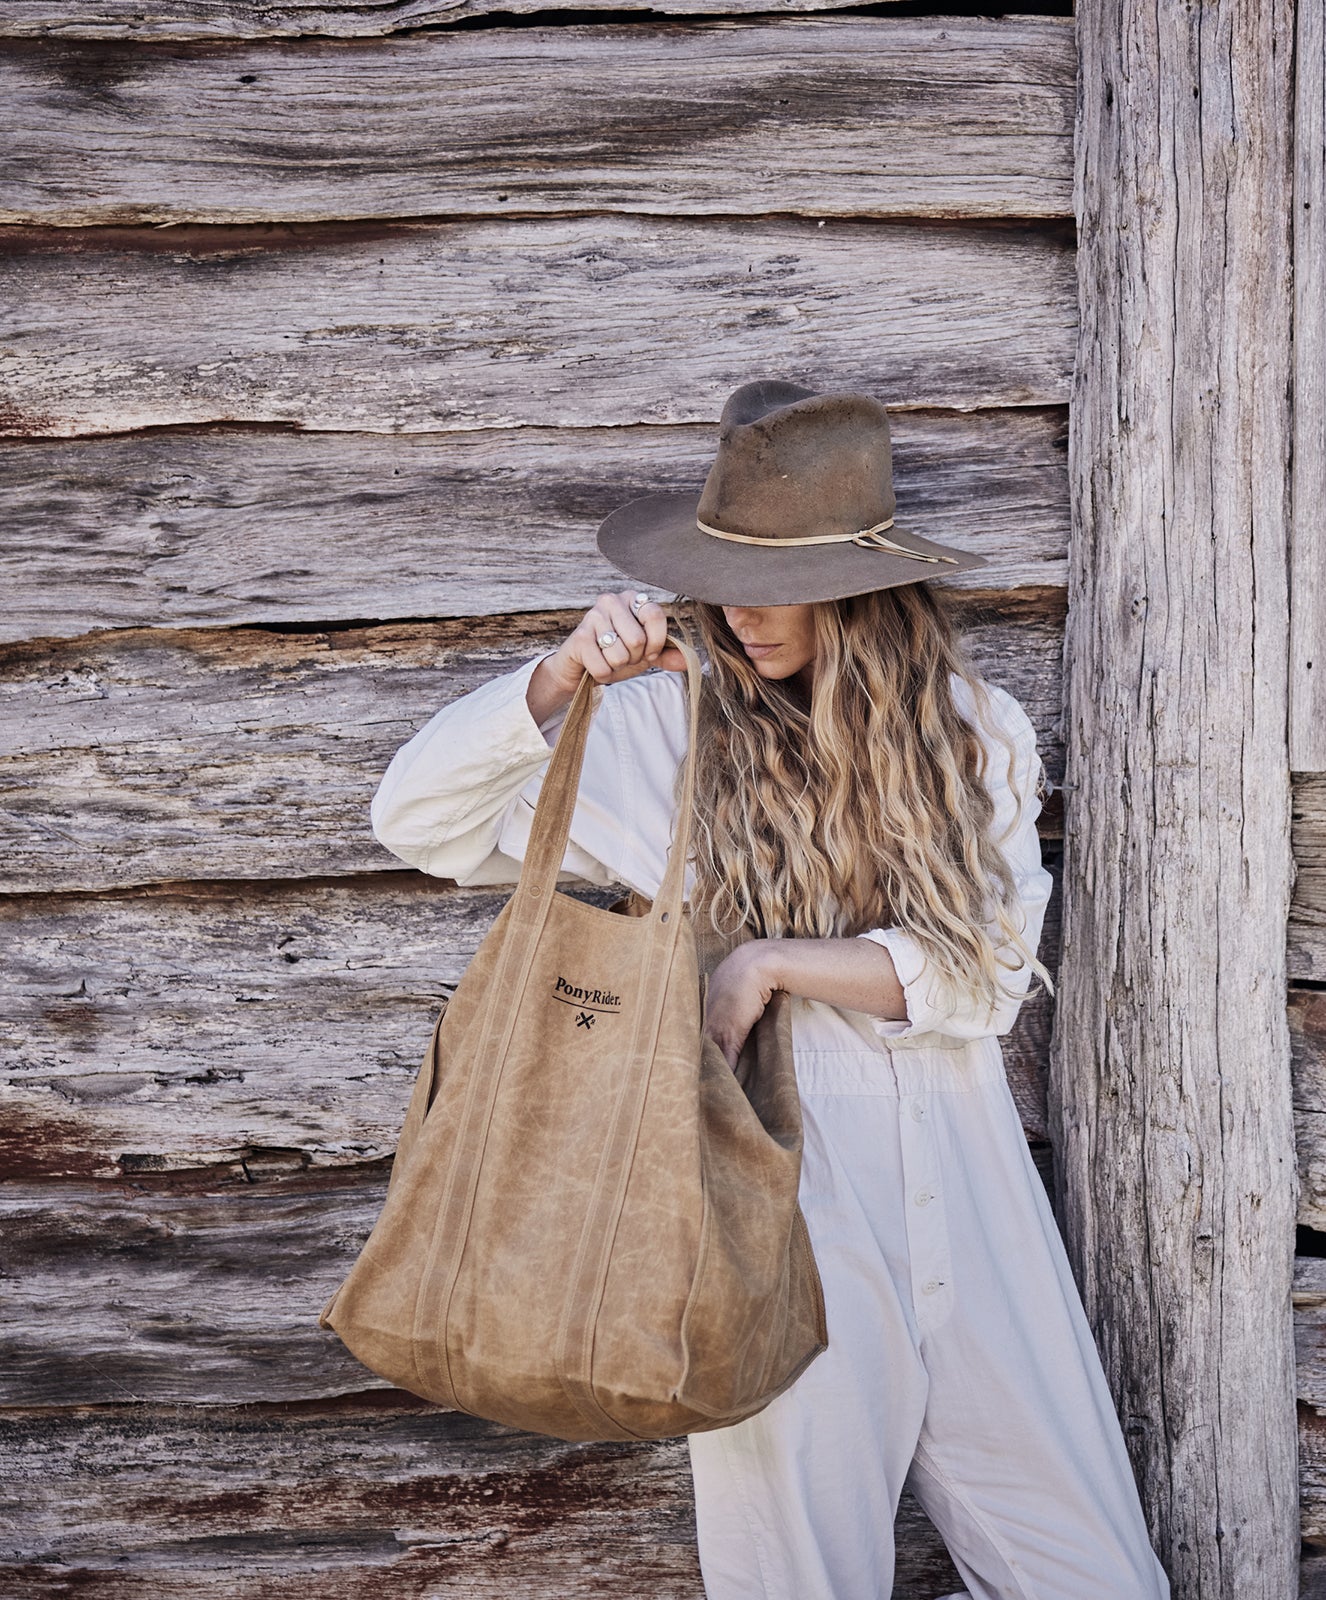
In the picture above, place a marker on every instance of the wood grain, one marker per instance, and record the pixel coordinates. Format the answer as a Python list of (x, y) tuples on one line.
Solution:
[(133, 20), (380, 1493), (147, 755), (202, 1291), (1170, 1078), (224, 527), (197, 1289), (1309, 1299), (1312, 1572), (845, 118), (215, 1023), (579, 322), (1307, 1034), (1307, 645), (1307, 924)]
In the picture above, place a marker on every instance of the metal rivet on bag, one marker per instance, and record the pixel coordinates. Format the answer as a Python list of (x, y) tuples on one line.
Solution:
[(665, 916)]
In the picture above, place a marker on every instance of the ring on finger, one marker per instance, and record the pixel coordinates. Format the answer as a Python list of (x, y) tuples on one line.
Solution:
[(642, 599), (607, 638)]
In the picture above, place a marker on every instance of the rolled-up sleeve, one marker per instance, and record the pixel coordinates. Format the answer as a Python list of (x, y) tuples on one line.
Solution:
[(457, 799), (934, 1003)]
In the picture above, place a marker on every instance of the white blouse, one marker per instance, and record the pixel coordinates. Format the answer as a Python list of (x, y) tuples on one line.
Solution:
[(457, 801)]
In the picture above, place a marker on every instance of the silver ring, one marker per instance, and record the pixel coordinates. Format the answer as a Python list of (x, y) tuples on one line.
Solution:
[(642, 599), (605, 639)]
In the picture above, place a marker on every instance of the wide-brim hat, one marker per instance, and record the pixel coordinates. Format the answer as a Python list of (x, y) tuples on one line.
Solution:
[(798, 506)]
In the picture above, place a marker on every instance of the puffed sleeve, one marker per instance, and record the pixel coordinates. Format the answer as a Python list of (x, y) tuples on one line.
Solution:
[(457, 801), (932, 1004)]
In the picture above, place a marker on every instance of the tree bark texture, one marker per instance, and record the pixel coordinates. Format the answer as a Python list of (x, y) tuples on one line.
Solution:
[(1171, 1083), (725, 119)]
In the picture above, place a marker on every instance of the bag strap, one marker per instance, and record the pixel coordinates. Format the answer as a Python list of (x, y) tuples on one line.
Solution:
[(527, 912), (551, 827)]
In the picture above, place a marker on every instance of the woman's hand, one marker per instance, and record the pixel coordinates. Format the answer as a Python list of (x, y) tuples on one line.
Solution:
[(740, 987), (856, 974), (641, 637)]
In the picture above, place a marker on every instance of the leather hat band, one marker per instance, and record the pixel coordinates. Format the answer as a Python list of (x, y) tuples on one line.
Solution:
[(867, 538)]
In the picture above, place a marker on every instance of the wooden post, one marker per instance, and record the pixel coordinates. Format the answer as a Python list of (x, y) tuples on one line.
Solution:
[(1307, 646), (1170, 1081)]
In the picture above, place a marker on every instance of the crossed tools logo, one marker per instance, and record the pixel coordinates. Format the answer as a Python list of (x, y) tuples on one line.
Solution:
[(590, 1004)]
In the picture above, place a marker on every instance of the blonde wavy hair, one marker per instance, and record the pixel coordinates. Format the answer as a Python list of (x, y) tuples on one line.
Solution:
[(863, 807)]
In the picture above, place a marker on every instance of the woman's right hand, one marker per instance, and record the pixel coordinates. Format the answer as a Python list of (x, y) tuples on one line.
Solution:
[(640, 644)]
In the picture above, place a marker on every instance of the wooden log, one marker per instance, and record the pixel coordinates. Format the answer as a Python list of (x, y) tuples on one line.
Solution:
[(386, 1493), (1309, 1298), (1307, 925), (223, 527), (380, 1492), (1307, 646), (132, 20), (215, 1023), (149, 755), (1170, 1077), (398, 327), (197, 1290), (1307, 1033), (225, 1023), (845, 118), (1312, 1574), (204, 1288)]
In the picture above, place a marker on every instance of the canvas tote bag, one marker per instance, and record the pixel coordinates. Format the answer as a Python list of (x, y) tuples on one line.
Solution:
[(591, 1228)]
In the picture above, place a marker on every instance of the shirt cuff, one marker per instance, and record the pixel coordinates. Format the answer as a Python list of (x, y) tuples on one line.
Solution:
[(908, 963), (929, 1005), (932, 1005)]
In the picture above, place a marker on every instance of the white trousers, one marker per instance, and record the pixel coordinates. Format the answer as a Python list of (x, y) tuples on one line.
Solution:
[(960, 1361)]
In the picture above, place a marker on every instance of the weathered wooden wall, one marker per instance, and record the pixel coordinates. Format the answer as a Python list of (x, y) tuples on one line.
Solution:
[(326, 343)]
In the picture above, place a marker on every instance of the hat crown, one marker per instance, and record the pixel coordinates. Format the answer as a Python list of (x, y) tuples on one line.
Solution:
[(792, 462), (797, 507)]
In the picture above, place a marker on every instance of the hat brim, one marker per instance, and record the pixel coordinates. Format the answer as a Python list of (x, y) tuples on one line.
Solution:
[(656, 540)]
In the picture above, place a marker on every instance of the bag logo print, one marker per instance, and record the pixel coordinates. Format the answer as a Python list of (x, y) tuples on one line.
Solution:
[(590, 1003)]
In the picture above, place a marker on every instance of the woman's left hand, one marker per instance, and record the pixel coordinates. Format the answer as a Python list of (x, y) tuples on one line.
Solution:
[(740, 987)]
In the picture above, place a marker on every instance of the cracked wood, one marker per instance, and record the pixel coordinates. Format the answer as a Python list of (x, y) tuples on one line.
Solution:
[(222, 527), (381, 1493), (214, 1023), (1307, 645), (852, 117), (135, 20), (1170, 1083), (146, 755), (398, 327)]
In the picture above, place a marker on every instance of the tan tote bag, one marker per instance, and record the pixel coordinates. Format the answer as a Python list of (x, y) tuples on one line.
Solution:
[(591, 1228)]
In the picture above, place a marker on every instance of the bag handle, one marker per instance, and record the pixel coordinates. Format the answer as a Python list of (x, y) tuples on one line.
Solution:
[(551, 827)]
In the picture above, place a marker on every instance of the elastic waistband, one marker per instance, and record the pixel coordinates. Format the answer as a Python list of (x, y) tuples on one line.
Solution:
[(957, 1068)]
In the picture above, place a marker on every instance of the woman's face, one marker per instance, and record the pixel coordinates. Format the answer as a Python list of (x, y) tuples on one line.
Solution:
[(779, 640)]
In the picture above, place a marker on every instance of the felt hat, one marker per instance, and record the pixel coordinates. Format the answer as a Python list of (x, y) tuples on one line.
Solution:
[(798, 506)]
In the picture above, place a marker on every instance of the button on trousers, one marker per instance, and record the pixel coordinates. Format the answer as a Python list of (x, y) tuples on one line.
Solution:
[(960, 1362)]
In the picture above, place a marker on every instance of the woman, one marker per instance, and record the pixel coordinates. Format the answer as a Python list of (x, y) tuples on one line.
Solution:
[(865, 816)]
